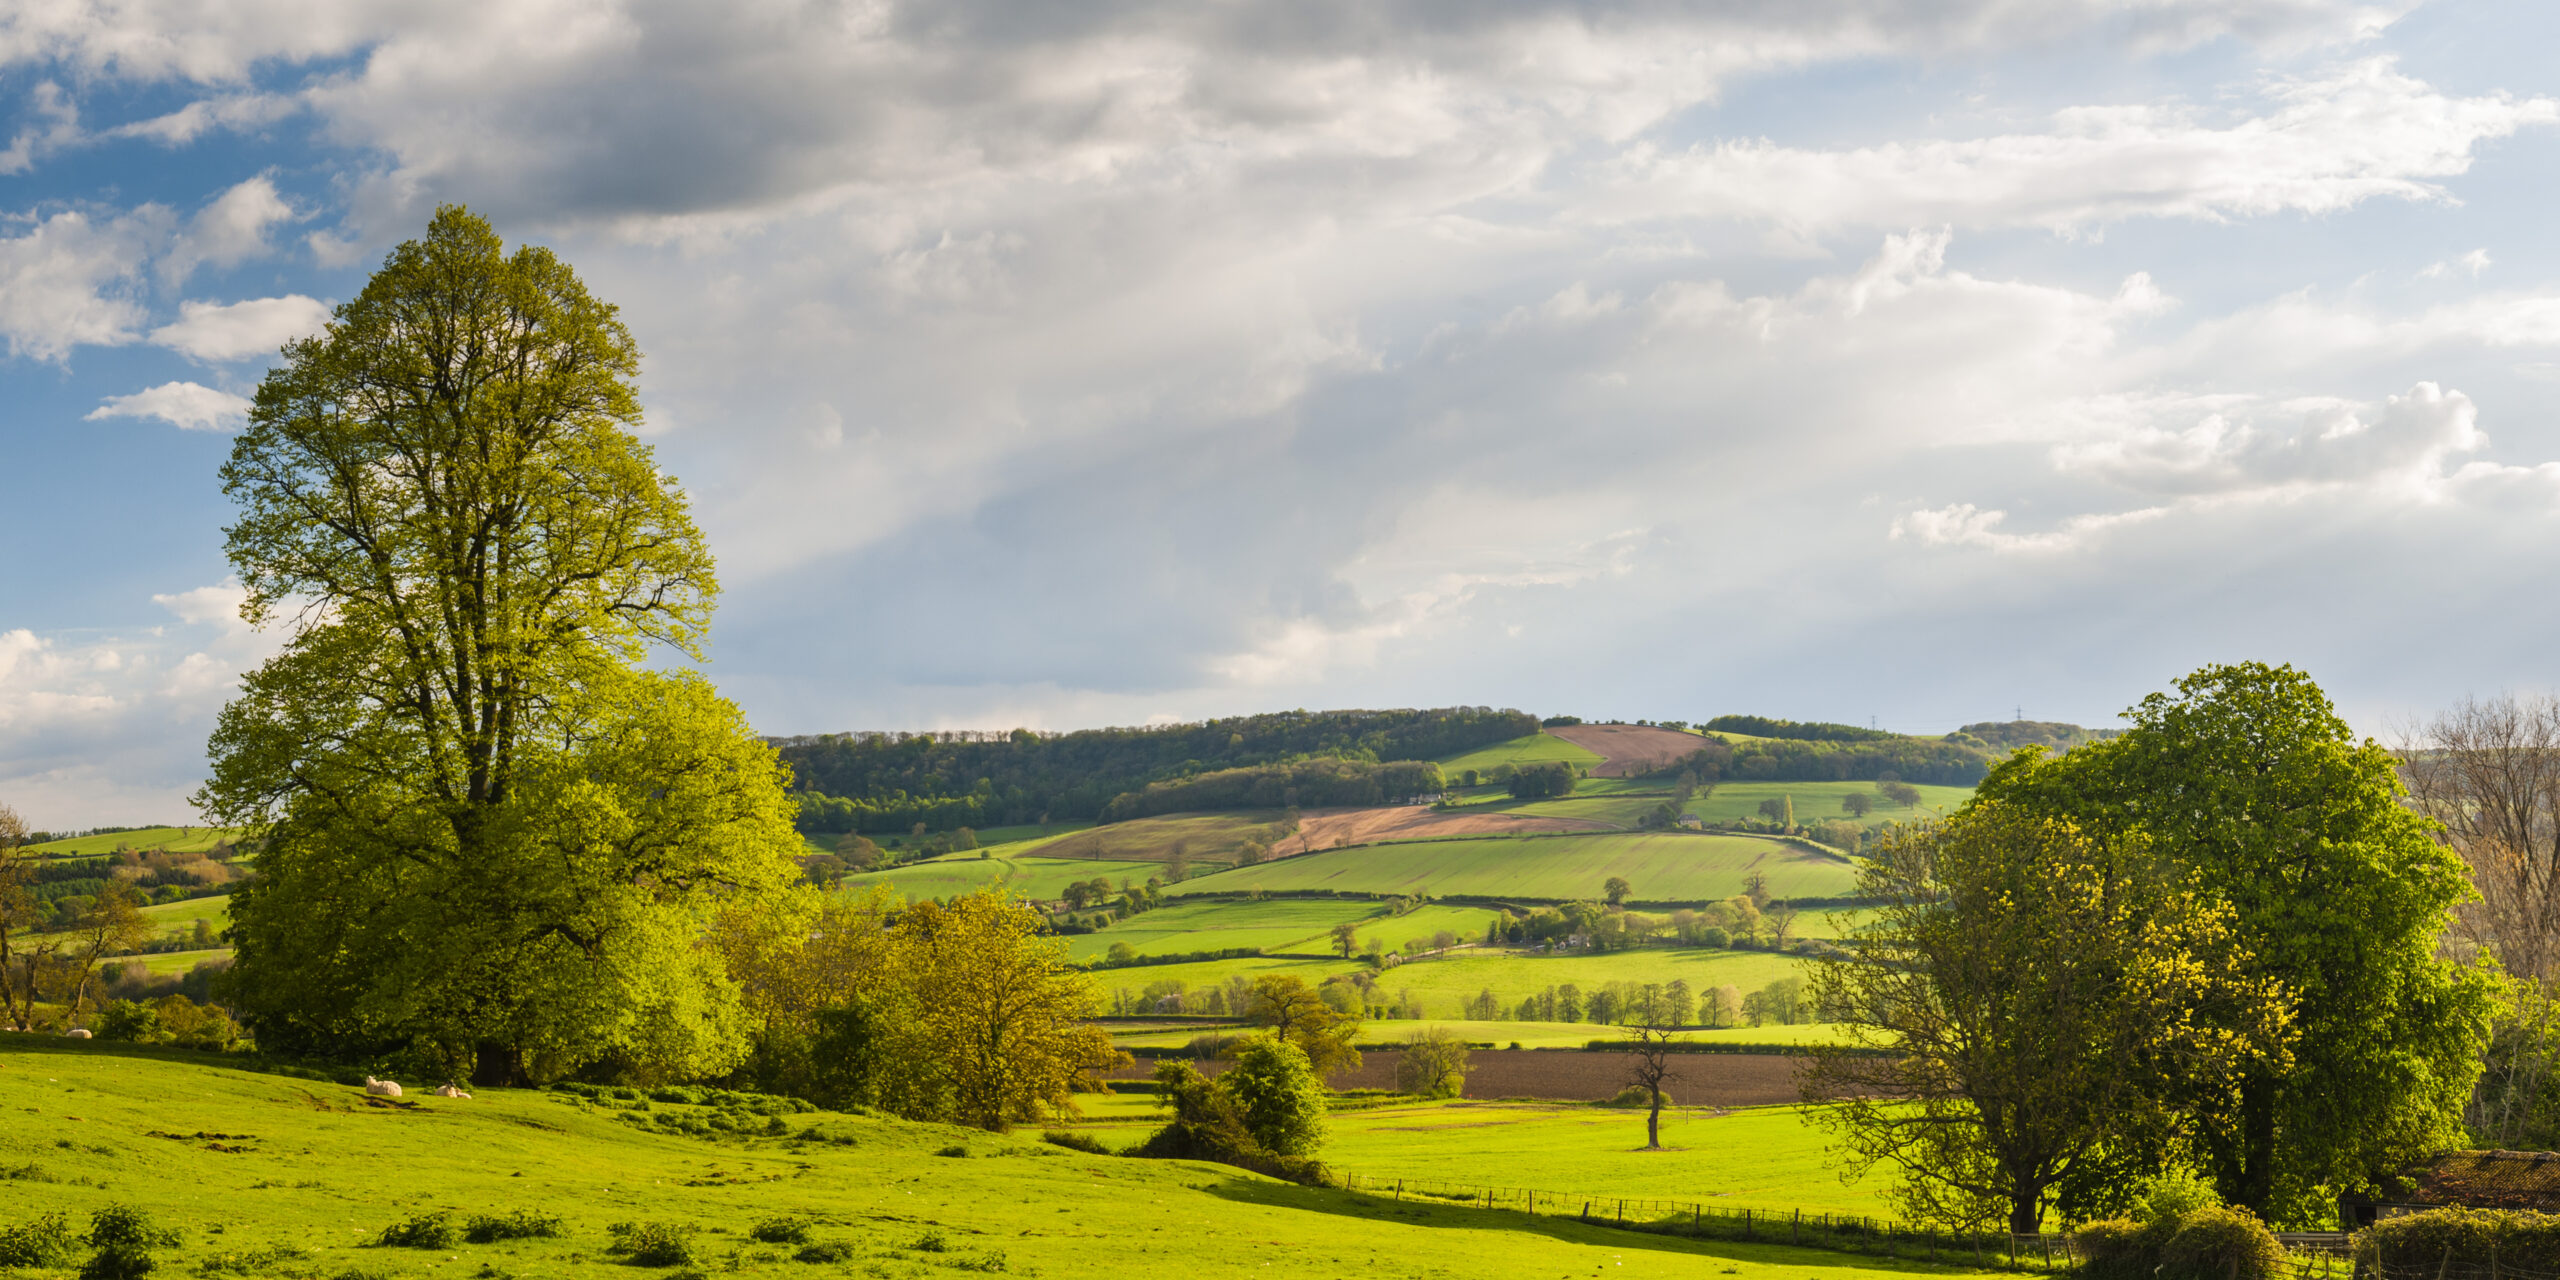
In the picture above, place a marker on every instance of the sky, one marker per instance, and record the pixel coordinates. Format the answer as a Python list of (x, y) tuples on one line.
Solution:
[(1061, 364)]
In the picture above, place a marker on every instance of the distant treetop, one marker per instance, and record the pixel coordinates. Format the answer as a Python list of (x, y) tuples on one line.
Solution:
[(1805, 731)]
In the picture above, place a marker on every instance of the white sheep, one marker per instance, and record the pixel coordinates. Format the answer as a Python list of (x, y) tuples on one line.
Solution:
[(448, 1091), (78, 1033), (381, 1088)]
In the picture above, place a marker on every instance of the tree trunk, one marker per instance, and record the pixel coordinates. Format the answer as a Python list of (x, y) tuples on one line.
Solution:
[(1653, 1124), (2025, 1219), (495, 1065)]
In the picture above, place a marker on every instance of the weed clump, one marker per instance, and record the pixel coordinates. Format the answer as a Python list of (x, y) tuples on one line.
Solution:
[(652, 1244), (932, 1242), (826, 1251), (955, 1150), (431, 1230), (780, 1231), (523, 1224), (1072, 1141), (44, 1242)]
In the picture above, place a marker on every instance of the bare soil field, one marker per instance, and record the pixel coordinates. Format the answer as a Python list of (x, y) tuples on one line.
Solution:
[(1629, 749), (1568, 1075), (1335, 828)]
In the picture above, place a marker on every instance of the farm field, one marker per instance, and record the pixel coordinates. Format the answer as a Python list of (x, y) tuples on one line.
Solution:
[(1217, 926), (1757, 1157), (1442, 986), (310, 1173), (1536, 748), (1337, 828), (1662, 867), (1630, 749), (1527, 1035), (180, 917), (173, 839), (1816, 801), (1206, 838), (961, 873), (164, 963)]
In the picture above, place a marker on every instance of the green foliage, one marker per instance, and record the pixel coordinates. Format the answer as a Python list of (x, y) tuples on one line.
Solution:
[(1279, 1095), (1310, 783), (2467, 1238), (826, 1251), (2174, 1194), (1805, 731), (430, 1230), (780, 1231), (2202, 1244), (42, 1241), (1074, 1141), (124, 1238), (486, 832), (2249, 785), (886, 782), (523, 1224), (127, 1020), (1541, 781), (1433, 1064), (651, 1244), (1208, 1124)]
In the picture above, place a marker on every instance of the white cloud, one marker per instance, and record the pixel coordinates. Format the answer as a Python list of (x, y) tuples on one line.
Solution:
[(57, 125), (229, 230), (68, 280), (2329, 142), (258, 326), (188, 405)]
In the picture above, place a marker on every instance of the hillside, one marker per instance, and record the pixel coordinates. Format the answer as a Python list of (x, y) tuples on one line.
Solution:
[(1666, 867), (290, 1179)]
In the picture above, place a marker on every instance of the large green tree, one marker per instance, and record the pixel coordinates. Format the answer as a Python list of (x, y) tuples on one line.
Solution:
[(489, 834), (2246, 780)]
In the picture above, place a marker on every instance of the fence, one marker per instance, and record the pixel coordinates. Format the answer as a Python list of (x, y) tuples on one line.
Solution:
[(2311, 1255)]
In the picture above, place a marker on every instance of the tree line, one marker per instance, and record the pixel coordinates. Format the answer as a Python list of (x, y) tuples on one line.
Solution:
[(1304, 783), (887, 782)]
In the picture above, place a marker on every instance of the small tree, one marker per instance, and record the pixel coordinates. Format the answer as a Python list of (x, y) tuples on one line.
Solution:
[(1346, 939), (115, 923), (1857, 804), (1617, 888), (1782, 922), (1649, 1068), (1756, 887), (1298, 1013), (23, 953), (1433, 1065), (1279, 1094)]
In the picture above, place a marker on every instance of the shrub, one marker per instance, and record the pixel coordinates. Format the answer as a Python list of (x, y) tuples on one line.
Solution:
[(432, 1230), (1084, 1142), (127, 1020), (523, 1224), (1433, 1065), (780, 1231), (652, 1244), (2466, 1237), (932, 1242), (2211, 1243), (825, 1251), (955, 1151), (124, 1238), (1279, 1096), (1212, 1046), (42, 1242)]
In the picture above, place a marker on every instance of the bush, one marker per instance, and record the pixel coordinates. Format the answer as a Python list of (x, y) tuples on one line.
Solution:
[(1433, 1065), (129, 1021), (1278, 1096), (42, 1242), (2210, 1243), (421, 1231), (1084, 1142), (124, 1238), (652, 1244), (2525, 1241), (932, 1242), (523, 1224), (825, 1251), (956, 1151), (780, 1231)]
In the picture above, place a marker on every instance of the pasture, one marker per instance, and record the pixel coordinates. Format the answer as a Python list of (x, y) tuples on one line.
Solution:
[(1207, 839), (1279, 925), (1389, 1032), (1442, 987), (181, 917), (1662, 867), (953, 875), (1756, 1157), (1536, 748), (306, 1174), (172, 839), (1816, 801)]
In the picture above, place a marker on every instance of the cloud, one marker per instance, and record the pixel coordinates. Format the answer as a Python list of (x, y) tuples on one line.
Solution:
[(187, 405), (57, 126), (2332, 141), (229, 230), (207, 331), (68, 280)]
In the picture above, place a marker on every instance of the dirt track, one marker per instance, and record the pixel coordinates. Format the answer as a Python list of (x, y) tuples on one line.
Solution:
[(1333, 828), (1706, 1079), (1629, 749)]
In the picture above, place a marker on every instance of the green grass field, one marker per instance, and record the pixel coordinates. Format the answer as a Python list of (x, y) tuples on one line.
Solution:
[(1816, 801), (1527, 1035), (1757, 1157), (1442, 987), (173, 839), (1280, 924), (961, 873), (1206, 838), (292, 1178), (181, 917), (1536, 748), (1662, 867)]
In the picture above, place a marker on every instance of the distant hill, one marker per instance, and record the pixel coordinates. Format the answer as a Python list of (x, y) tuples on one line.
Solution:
[(887, 782), (2009, 735)]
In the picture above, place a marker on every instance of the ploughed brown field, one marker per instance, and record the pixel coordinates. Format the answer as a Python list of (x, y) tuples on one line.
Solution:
[(1565, 1075), (1334, 828), (1629, 750)]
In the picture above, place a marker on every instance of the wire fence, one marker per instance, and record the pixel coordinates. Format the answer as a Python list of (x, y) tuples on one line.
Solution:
[(2309, 1255)]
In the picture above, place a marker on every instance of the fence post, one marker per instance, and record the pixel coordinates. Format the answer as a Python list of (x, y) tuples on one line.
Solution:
[(1746, 1229), (1795, 1228), (1399, 1188), (2047, 1242), (1622, 1211), (1697, 1219)]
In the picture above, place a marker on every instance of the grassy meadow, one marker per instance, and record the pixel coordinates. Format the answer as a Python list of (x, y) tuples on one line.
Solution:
[(1276, 925), (960, 873), (1442, 987), (1535, 748), (1205, 838), (1526, 1035), (1662, 867), (1816, 801), (271, 1176), (172, 839)]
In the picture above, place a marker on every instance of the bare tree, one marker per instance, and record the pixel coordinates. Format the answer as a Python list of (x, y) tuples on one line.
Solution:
[(2489, 770), (1649, 1068), (22, 956)]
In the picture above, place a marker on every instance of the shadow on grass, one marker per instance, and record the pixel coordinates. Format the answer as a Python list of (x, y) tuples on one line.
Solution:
[(1565, 1229), (52, 1045)]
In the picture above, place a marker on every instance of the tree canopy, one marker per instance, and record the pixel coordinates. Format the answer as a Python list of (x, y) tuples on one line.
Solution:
[(490, 836)]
